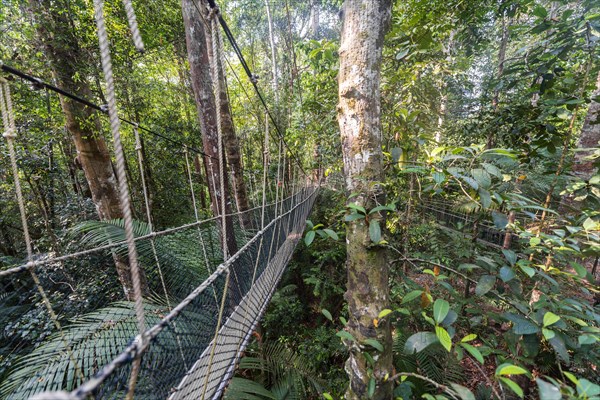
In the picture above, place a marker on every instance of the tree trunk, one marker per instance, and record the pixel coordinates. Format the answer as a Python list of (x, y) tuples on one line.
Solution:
[(589, 138), (62, 50), (501, 58), (230, 140), (195, 38), (273, 56), (363, 30)]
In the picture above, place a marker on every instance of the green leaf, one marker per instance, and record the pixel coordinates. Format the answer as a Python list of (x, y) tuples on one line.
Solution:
[(440, 310), (469, 338), (374, 343), (384, 313), (310, 236), (587, 388), (509, 369), (343, 321), (579, 269), (548, 333), (374, 231), (353, 217), (345, 335), (443, 337), (534, 241), (327, 396), (411, 296), (587, 339), (521, 326), (510, 256), (540, 11), (507, 274), (389, 207), (482, 177), (492, 169), (513, 386), (331, 234), (590, 225), (358, 208), (500, 220), (371, 388), (485, 284), (473, 351), (438, 177), (550, 318), (463, 392), (558, 344), (419, 341), (547, 390), (327, 314), (242, 388), (486, 199), (530, 272)]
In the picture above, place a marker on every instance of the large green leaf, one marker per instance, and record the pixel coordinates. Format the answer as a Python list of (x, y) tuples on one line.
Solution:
[(440, 310), (485, 284), (419, 341), (547, 390)]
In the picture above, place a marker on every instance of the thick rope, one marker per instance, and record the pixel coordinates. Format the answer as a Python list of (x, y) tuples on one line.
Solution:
[(140, 157), (216, 91), (200, 237), (10, 133), (115, 126), (133, 26)]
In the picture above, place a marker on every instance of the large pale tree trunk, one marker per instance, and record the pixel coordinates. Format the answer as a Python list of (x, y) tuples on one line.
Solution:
[(359, 108), (63, 52), (230, 140), (202, 86)]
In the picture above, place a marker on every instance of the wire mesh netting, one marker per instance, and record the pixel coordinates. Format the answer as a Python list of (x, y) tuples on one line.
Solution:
[(197, 329)]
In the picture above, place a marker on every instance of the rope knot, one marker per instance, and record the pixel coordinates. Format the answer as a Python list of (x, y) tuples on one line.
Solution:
[(9, 134), (214, 12)]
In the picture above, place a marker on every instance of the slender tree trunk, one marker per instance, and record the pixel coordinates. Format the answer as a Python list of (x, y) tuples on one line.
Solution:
[(501, 58), (273, 55), (583, 167), (195, 37), (63, 52), (230, 140), (314, 19), (364, 26)]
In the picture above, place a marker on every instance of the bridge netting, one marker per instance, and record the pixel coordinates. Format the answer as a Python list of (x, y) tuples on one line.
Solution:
[(195, 300)]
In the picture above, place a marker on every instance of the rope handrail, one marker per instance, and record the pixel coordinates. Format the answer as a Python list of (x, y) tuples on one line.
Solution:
[(137, 347), (37, 263)]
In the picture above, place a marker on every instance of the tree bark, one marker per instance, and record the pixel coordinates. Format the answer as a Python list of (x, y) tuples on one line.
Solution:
[(364, 26), (589, 138), (273, 56), (195, 38), (501, 58), (62, 49), (230, 140)]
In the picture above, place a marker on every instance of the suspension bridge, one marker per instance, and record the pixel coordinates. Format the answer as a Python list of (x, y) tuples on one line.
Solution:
[(182, 338)]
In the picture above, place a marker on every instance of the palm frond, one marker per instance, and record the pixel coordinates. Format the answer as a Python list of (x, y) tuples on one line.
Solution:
[(93, 339)]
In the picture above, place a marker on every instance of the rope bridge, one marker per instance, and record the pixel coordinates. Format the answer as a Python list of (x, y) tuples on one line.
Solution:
[(193, 306)]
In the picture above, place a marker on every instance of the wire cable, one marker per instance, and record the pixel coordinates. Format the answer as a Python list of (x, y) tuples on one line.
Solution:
[(254, 80), (39, 83)]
